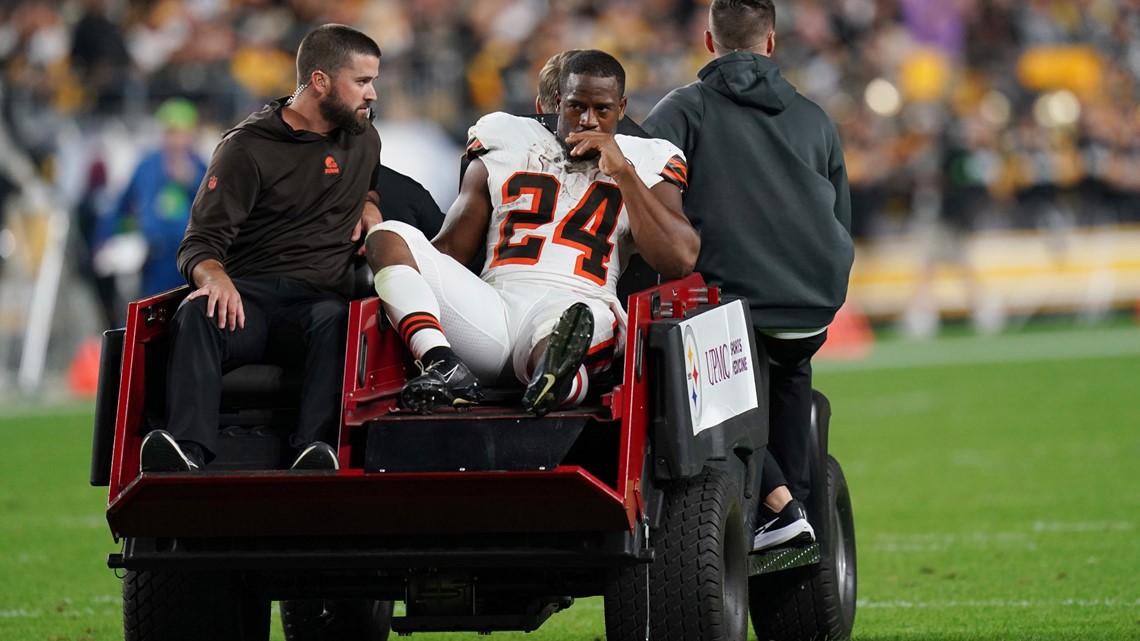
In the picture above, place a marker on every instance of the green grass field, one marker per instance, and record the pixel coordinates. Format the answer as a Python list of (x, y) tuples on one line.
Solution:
[(996, 489)]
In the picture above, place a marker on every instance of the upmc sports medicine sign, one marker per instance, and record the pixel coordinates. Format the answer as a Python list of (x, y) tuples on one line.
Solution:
[(720, 376)]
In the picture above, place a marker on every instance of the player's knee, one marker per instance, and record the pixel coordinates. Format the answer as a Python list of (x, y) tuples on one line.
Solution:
[(386, 245)]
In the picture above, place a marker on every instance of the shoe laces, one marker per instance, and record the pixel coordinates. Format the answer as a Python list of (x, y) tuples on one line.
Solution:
[(435, 366), (425, 369)]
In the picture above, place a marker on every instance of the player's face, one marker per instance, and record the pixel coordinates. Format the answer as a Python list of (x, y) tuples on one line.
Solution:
[(348, 103), (590, 103)]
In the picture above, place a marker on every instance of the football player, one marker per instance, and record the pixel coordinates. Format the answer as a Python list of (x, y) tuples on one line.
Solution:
[(558, 214)]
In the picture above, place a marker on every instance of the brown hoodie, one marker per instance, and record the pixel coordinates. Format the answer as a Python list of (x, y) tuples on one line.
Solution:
[(279, 202)]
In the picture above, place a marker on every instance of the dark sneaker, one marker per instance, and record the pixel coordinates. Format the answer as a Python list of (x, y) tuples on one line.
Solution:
[(565, 350), (161, 453), (317, 456), (444, 382), (789, 527)]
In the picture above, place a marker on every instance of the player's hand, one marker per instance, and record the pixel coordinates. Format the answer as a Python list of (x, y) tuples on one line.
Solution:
[(224, 302), (611, 160)]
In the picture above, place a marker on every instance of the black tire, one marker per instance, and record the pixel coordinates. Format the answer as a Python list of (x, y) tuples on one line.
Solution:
[(696, 589), (814, 602), (189, 606), (336, 620)]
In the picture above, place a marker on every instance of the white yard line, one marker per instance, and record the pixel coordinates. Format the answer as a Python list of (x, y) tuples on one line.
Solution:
[(102, 605), (998, 603), (69, 613), (25, 521), (925, 542)]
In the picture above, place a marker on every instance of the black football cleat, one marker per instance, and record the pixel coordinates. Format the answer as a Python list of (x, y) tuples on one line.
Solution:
[(444, 382), (565, 351)]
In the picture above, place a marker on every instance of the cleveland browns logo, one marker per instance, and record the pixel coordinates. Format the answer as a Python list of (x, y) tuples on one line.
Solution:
[(331, 166)]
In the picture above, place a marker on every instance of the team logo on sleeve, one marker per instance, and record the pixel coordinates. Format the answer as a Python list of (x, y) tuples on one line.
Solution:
[(212, 183), (475, 148), (331, 168)]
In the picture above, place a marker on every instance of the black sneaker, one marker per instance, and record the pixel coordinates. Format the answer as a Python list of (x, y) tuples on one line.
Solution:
[(317, 456), (565, 350), (161, 453), (789, 527), (444, 382)]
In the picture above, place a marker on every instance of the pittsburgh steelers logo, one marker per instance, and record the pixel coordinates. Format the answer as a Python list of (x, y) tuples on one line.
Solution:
[(693, 376)]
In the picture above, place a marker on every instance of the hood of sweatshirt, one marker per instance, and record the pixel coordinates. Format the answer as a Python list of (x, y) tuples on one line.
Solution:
[(268, 123), (749, 79)]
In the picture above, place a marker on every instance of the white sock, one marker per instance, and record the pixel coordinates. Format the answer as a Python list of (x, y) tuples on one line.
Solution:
[(411, 307)]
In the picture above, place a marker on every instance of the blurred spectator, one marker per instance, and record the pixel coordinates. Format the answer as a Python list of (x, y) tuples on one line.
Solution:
[(155, 206), (971, 170), (99, 58), (7, 190), (893, 74), (89, 210)]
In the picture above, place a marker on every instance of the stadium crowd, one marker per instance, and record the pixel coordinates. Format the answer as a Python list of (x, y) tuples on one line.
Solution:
[(993, 112)]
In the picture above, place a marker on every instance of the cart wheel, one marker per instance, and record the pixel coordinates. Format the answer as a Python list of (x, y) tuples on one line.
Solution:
[(697, 587), (814, 602), (175, 606)]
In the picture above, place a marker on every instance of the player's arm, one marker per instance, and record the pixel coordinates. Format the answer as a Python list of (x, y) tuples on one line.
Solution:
[(370, 216), (464, 228), (660, 230), (221, 207), (664, 237)]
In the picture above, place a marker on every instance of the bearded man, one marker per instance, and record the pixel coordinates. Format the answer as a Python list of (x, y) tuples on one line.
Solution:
[(269, 253)]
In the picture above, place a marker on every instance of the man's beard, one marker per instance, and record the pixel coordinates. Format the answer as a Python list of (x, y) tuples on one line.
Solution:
[(342, 116)]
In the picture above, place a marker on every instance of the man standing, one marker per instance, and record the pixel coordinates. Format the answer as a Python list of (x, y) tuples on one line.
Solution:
[(558, 214), (158, 198), (269, 251), (768, 193)]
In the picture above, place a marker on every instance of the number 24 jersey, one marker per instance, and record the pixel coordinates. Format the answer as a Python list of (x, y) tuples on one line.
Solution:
[(555, 222)]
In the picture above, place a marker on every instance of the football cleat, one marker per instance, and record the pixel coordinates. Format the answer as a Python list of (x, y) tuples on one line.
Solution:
[(565, 351), (445, 382)]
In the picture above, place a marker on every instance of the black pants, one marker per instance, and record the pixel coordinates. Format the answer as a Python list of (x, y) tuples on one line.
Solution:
[(789, 413), (286, 322)]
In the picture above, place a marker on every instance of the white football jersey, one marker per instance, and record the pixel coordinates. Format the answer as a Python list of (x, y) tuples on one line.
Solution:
[(555, 222)]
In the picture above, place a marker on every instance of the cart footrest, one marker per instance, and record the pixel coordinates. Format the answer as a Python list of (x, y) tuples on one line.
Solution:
[(778, 559)]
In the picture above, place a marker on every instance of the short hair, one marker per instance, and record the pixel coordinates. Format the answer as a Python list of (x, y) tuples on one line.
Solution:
[(592, 62), (548, 80), (741, 24), (329, 48)]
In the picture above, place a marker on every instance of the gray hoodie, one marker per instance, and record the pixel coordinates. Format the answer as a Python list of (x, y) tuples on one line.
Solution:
[(767, 190)]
